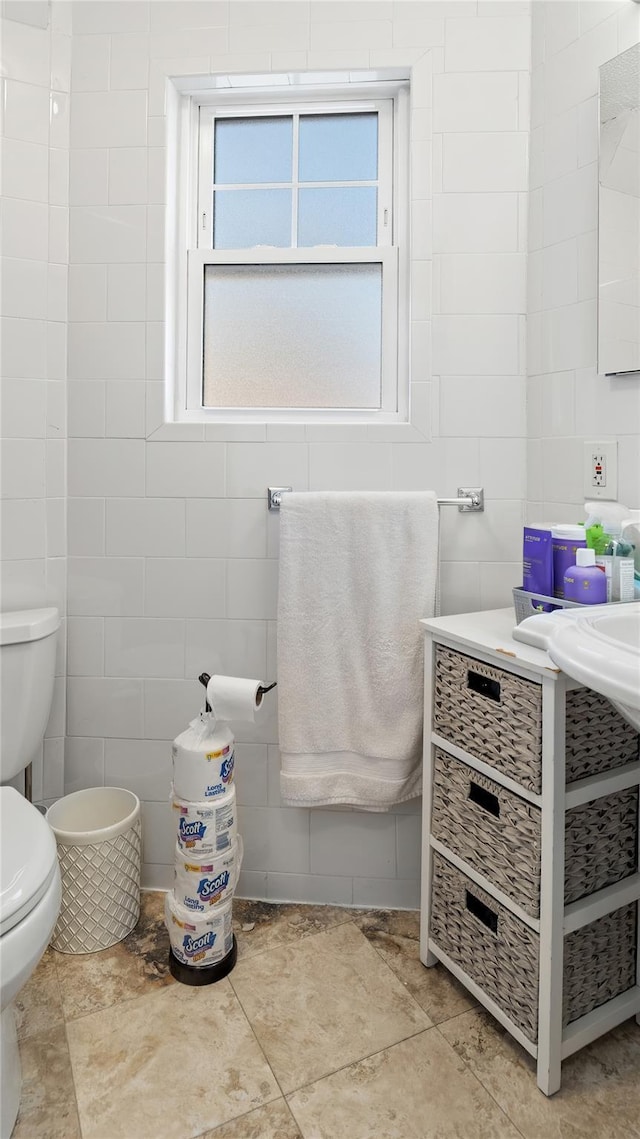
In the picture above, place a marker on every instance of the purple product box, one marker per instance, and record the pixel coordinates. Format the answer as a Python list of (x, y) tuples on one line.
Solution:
[(537, 561)]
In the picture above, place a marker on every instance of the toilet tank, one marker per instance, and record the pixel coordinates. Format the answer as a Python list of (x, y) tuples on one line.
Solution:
[(27, 668)]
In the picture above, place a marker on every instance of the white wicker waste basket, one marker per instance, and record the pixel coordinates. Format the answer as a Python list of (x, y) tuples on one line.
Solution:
[(99, 837)]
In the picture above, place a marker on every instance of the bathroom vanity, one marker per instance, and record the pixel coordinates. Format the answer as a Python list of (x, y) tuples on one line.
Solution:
[(530, 847)]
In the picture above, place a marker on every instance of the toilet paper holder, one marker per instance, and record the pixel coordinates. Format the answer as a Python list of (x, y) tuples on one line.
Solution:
[(204, 679)]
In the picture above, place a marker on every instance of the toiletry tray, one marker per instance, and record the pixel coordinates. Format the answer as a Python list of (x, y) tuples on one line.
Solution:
[(526, 604)]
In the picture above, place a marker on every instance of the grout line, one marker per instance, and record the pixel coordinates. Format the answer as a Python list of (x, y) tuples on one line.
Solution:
[(254, 1034), (236, 1118), (162, 988), (475, 1007), (396, 979), (299, 940), (151, 992), (116, 1004), (481, 1083), (73, 1080), (360, 1060)]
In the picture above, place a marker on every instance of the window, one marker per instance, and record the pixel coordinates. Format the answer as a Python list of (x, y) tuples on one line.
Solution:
[(294, 256)]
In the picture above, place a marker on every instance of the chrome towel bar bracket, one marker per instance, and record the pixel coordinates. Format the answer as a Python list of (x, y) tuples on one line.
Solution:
[(469, 500), (274, 496)]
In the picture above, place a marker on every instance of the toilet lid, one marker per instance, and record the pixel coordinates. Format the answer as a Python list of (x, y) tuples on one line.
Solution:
[(28, 859)]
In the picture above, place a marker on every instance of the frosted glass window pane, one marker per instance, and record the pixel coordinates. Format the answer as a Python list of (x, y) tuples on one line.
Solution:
[(344, 216), (338, 148), (292, 336), (253, 150), (244, 218)]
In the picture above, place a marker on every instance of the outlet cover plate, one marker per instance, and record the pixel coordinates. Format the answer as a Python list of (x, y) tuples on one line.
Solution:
[(601, 484)]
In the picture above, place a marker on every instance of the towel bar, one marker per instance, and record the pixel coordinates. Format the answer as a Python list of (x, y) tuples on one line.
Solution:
[(470, 499)]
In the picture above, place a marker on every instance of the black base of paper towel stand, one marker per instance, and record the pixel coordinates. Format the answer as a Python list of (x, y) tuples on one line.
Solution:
[(206, 974)]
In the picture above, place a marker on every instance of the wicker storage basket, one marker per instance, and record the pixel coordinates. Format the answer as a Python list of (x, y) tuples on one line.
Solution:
[(497, 717), (490, 713), (597, 737), (500, 953), (498, 834)]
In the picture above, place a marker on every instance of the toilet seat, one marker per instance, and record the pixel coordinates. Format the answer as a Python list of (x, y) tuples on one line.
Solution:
[(22, 949), (29, 858)]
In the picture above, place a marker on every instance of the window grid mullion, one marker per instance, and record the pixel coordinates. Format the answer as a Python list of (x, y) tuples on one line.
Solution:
[(295, 184), (335, 183)]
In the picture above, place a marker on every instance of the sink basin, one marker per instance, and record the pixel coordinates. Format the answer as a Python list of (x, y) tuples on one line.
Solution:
[(598, 645)]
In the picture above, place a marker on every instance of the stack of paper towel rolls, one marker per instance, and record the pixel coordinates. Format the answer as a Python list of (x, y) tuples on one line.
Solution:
[(208, 854)]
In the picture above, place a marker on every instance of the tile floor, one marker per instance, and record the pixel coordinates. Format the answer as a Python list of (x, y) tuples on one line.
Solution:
[(329, 1027)]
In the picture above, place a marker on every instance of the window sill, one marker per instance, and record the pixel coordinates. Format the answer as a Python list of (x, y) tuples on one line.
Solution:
[(299, 426), (239, 432)]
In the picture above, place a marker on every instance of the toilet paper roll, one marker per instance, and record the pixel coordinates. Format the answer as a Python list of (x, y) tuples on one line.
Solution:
[(203, 760), (198, 939), (200, 885), (234, 697), (205, 829)]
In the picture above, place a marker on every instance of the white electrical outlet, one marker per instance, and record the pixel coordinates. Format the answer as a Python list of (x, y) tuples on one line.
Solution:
[(601, 469)]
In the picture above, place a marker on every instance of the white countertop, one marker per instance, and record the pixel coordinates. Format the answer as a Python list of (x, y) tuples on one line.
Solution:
[(490, 631)]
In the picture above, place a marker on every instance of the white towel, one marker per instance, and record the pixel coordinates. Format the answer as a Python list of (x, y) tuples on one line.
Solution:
[(357, 572)]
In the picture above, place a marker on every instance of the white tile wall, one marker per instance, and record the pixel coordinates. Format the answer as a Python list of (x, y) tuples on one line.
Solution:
[(204, 541), (185, 587), (475, 223), (477, 345), (486, 161), (567, 401), (103, 467), (109, 118), (238, 648), (85, 526), (185, 470), (24, 287), (493, 44), (144, 765), (484, 101), (168, 706), (26, 167), (106, 587), (173, 560), (142, 646), (85, 646), (83, 763), (145, 527), (369, 842), (36, 69), (476, 283), (104, 707), (107, 234)]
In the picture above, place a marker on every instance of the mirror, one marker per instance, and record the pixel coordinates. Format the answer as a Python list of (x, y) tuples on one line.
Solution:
[(619, 215)]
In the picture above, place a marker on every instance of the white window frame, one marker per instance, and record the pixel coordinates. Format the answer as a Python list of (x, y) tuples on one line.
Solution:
[(188, 242), (382, 107)]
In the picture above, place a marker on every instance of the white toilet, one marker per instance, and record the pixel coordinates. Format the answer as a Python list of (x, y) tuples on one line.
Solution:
[(29, 876)]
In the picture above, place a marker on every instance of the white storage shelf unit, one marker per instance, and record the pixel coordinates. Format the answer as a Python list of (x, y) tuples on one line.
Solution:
[(484, 640)]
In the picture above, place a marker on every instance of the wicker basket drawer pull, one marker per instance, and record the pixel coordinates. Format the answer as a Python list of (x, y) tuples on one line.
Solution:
[(484, 799), (483, 685), (481, 912)]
